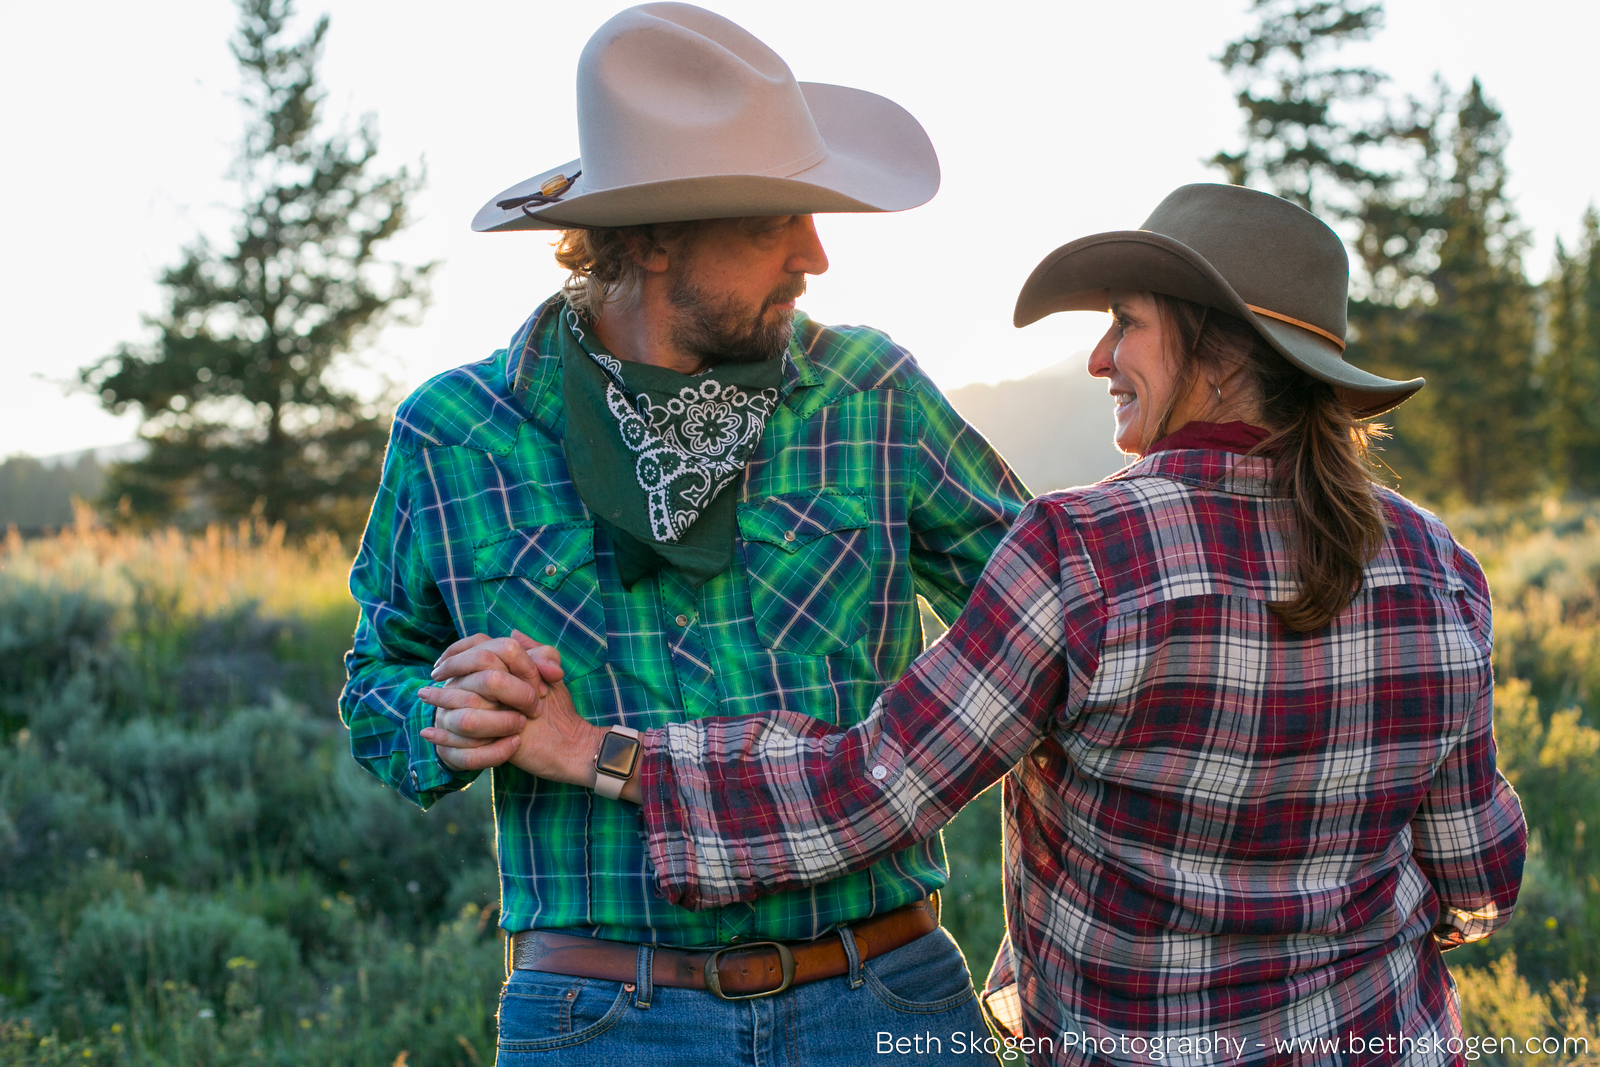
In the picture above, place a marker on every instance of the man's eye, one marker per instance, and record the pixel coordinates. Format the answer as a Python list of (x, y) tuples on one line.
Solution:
[(765, 224)]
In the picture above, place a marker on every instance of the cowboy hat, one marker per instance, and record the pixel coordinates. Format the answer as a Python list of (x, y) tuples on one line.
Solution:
[(1248, 253), (685, 115)]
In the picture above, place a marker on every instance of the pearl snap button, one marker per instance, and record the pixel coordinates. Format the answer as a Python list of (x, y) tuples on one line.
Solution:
[(880, 772), (788, 535), (550, 570), (682, 620)]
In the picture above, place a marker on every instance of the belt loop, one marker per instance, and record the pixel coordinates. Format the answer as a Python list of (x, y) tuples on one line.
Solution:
[(644, 986), (848, 938), (510, 942)]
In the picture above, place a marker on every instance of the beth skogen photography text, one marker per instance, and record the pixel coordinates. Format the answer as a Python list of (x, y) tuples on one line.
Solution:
[(1059, 534)]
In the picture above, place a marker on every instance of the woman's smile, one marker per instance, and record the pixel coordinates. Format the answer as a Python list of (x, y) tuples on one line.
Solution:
[(1138, 370)]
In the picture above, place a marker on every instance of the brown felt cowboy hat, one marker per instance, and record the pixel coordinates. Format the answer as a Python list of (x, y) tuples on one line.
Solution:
[(1241, 251), (685, 115)]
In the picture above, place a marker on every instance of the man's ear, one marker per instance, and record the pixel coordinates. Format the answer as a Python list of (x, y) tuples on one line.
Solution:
[(646, 252)]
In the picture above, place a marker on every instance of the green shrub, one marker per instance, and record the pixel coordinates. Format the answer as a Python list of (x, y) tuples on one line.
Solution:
[(124, 948), (192, 867)]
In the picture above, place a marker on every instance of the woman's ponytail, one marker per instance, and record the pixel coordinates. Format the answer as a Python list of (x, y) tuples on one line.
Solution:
[(1320, 464), (1319, 454)]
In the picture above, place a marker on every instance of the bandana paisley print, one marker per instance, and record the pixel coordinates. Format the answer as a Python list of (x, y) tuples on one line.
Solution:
[(690, 446)]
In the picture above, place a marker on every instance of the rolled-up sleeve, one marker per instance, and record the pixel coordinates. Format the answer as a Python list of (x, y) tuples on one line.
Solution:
[(1469, 836), (735, 808), (404, 625)]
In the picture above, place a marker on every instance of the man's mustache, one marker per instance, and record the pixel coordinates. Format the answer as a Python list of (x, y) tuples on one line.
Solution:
[(788, 291)]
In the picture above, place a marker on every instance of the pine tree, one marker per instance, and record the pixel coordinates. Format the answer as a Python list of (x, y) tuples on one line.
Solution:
[(1468, 327), (1418, 190), (1309, 124), (241, 406), (1571, 367), (1326, 137)]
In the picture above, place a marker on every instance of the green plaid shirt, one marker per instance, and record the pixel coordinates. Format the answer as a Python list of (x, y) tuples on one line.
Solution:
[(866, 489)]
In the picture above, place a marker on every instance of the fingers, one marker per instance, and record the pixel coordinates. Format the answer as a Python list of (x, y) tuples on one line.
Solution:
[(548, 662), (493, 654), (545, 657), (452, 697), (473, 737), (476, 759), (444, 738), (461, 646), (495, 686), (488, 654), (479, 724)]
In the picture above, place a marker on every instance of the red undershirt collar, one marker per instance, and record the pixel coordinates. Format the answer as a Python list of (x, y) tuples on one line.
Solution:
[(1238, 437)]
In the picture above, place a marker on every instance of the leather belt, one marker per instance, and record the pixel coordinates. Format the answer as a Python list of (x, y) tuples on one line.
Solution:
[(733, 972)]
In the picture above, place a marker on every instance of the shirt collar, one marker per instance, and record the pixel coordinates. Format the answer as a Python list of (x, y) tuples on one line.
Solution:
[(1212, 469), (1238, 437)]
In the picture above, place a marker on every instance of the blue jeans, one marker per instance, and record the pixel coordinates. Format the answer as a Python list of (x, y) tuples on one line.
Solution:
[(912, 1005)]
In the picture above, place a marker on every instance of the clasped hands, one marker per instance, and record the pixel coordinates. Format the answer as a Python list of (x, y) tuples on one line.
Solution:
[(502, 700)]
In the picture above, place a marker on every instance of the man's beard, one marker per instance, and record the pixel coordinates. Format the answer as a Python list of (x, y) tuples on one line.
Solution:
[(719, 331)]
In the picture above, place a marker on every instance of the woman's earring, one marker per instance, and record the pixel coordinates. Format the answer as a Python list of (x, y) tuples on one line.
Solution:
[(1218, 388)]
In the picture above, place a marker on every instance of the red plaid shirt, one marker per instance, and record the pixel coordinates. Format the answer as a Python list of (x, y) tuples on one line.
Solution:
[(1215, 828)]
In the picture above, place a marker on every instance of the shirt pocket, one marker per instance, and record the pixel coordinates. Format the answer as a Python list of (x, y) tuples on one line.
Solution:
[(807, 559), (542, 580)]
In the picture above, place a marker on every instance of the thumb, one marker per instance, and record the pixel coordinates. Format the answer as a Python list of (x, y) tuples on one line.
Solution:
[(548, 660)]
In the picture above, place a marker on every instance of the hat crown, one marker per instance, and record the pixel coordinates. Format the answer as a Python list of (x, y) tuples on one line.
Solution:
[(668, 91), (684, 115), (1275, 254)]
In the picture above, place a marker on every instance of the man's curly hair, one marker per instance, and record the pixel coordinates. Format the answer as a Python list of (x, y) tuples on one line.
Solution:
[(600, 266)]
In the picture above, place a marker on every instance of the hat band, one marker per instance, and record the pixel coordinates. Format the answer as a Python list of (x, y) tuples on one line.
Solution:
[(1296, 322), (796, 166)]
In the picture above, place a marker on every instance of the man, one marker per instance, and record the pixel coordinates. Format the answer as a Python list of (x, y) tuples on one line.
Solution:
[(707, 502)]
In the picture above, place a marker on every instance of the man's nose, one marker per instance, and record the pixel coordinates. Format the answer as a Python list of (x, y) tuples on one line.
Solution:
[(805, 250)]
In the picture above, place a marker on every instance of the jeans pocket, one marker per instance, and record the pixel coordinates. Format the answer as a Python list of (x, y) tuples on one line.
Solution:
[(928, 975), (547, 1011)]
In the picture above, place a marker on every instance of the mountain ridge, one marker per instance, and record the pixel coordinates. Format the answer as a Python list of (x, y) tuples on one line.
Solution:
[(1053, 427)]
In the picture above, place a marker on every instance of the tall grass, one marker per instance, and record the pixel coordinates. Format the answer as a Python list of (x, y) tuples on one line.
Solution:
[(222, 570)]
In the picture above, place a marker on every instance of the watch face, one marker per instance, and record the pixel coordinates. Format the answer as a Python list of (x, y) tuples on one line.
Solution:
[(618, 754)]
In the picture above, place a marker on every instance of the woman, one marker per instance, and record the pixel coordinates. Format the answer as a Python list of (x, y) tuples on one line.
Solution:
[(1239, 695)]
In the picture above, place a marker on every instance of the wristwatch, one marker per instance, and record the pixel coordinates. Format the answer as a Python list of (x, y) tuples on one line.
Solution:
[(615, 762)]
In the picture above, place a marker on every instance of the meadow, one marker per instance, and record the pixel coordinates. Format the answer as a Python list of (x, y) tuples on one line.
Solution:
[(193, 870)]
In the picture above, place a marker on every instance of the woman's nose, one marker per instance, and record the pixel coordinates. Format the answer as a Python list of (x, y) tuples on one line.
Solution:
[(1101, 363)]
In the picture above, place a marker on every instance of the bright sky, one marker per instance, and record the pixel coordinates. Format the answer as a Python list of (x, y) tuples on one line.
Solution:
[(1052, 120)]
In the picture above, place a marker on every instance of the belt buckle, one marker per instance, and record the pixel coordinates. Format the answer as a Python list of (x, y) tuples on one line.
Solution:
[(785, 961)]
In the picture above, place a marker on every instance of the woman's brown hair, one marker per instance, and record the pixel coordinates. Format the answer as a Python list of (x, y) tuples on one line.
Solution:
[(1319, 454)]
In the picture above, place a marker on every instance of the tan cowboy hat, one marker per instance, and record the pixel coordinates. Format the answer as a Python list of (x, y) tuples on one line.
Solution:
[(1248, 253), (684, 115)]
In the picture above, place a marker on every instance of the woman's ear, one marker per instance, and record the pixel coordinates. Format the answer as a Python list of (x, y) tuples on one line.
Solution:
[(1236, 394)]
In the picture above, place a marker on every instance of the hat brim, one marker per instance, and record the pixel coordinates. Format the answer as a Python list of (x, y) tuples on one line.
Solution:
[(1079, 275), (879, 159)]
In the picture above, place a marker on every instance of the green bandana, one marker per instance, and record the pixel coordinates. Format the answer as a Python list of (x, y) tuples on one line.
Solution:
[(651, 455)]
